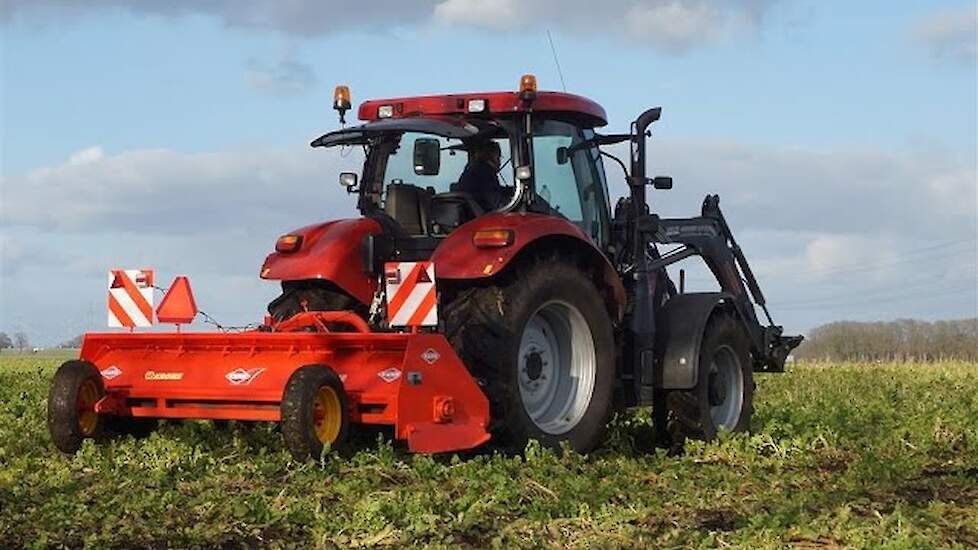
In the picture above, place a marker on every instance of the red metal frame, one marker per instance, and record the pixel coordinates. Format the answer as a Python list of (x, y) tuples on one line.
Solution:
[(498, 102), (413, 382)]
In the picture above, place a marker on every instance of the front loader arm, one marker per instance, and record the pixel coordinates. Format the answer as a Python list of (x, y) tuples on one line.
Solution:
[(709, 237)]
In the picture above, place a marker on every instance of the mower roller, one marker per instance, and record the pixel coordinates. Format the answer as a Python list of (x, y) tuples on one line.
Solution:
[(460, 307)]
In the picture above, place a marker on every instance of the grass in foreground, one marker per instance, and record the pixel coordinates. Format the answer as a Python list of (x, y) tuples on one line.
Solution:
[(847, 455)]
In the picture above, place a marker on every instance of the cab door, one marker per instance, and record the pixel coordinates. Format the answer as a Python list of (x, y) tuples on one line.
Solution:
[(576, 189)]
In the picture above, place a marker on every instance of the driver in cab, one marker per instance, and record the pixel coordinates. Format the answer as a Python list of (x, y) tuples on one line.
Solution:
[(479, 178)]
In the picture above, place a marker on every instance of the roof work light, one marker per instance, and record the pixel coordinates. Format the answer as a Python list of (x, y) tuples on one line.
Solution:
[(341, 101), (528, 87)]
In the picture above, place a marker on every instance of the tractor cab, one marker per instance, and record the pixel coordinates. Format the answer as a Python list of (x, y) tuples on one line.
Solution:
[(420, 151)]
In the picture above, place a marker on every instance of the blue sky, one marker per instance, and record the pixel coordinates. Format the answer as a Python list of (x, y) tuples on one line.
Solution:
[(841, 136)]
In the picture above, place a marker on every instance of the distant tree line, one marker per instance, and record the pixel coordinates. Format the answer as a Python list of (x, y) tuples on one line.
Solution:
[(903, 340), (19, 341), (75, 342)]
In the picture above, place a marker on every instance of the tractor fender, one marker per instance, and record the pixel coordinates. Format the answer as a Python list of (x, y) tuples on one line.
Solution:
[(330, 251), (679, 336), (457, 257)]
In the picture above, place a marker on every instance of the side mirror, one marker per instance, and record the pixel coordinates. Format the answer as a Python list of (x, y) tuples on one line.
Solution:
[(348, 180), (562, 155), (427, 156), (662, 182)]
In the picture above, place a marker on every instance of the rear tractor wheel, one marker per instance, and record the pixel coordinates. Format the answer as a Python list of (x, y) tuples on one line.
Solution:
[(315, 412), (542, 347), (76, 388)]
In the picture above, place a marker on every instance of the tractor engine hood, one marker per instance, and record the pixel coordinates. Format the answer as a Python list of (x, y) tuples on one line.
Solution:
[(330, 251)]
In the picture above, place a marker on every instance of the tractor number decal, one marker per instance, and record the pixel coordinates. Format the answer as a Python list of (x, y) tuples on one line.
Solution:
[(411, 297)]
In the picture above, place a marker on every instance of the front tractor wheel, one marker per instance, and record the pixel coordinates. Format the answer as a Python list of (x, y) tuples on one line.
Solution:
[(76, 388), (315, 412), (542, 346), (723, 398)]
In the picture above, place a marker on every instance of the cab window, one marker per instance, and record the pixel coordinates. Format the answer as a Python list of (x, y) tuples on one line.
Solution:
[(400, 163), (576, 188)]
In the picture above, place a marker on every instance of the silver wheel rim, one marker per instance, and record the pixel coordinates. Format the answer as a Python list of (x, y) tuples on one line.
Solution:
[(725, 389), (557, 365)]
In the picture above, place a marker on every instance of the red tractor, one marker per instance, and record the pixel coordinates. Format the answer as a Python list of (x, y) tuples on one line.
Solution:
[(512, 303)]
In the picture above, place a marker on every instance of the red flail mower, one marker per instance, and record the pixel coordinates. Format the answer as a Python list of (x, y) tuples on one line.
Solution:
[(489, 291)]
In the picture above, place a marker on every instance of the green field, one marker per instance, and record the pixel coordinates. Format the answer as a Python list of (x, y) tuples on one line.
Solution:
[(841, 455)]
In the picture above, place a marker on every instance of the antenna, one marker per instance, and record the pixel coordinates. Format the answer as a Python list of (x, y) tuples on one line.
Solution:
[(553, 50)]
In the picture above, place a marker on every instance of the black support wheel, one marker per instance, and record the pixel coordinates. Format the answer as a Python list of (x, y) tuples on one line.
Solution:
[(541, 344), (723, 398), (315, 412), (76, 388)]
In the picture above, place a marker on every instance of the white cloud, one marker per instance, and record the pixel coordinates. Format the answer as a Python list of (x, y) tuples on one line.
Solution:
[(866, 191), (673, 26), (492, 14), (299, 17), (677, 26), (816, 224), (950, 34), (165, 191), (85, 156)]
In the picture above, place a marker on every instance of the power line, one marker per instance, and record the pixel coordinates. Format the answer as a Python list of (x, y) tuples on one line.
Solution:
[(949, 291), (905, 257), (916, 284)]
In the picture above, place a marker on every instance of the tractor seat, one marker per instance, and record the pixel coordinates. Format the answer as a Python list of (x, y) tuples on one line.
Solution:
[(410, 206), (452, 209)]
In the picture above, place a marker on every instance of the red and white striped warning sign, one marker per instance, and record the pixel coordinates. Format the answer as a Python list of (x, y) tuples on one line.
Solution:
[(411, 298), (131, 298)]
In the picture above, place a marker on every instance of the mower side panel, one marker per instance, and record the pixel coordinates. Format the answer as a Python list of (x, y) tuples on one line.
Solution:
[(330, 251), (679, 336), (457, 258), (439, 403)]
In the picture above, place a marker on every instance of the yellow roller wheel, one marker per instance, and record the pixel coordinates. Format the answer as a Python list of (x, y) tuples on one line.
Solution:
[(88, 395), (315, 412), (327, 415), (75, 389)]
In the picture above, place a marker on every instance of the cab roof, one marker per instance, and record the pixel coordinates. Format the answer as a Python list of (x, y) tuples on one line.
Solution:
[(588, 112)]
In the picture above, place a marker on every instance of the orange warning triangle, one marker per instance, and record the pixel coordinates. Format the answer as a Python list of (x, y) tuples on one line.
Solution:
[(423, 275), (178, 305)]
